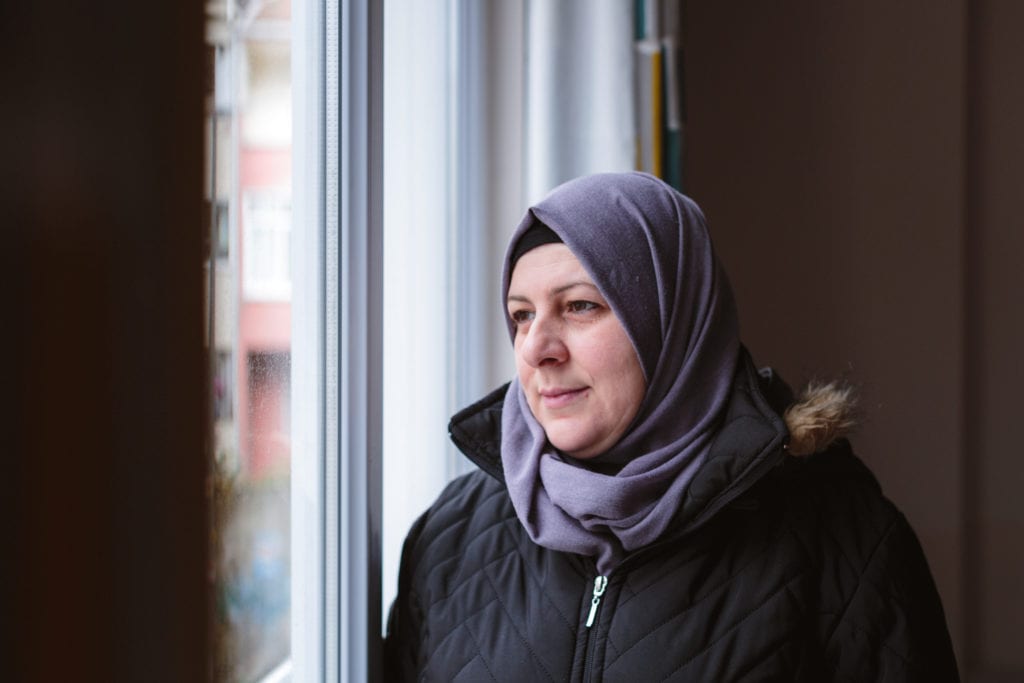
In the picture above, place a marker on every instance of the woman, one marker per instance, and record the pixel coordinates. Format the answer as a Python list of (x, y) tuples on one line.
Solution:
[(648, 506)]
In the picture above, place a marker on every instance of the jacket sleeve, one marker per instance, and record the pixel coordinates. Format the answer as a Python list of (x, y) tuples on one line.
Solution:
[(402, 644), (892, 627)]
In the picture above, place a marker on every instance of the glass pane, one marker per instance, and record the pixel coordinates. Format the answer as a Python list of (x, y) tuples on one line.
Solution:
[(249, 298)]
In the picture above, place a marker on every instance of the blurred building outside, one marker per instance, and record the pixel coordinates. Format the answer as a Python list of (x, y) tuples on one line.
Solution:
[(249, 294)]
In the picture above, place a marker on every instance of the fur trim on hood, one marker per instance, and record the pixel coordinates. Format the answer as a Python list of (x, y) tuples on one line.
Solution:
[(821, 415)]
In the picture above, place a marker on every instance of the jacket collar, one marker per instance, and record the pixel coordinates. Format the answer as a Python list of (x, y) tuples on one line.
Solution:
[(476, 430)]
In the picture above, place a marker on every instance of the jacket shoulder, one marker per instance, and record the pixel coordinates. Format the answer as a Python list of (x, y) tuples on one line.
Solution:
[(879, 613), (448, 541), (470, 570), (465, 510)]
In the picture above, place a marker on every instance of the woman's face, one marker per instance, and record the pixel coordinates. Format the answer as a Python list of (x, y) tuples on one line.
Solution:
[(579, 370)]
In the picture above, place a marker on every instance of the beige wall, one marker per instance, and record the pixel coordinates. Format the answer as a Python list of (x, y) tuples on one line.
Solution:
[(859, 164)]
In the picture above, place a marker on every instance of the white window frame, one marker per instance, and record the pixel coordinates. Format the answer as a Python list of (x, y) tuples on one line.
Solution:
[(336, 340)]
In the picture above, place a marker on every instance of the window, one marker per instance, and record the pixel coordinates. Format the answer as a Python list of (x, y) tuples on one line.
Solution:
[(266, 217), (354, 285)]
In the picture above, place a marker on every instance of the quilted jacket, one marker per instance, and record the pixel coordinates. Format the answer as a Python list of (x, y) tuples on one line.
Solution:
[(777, 568)]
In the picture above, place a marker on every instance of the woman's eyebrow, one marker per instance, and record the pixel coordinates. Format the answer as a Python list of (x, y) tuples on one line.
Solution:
[(554, 292), (570, 285)]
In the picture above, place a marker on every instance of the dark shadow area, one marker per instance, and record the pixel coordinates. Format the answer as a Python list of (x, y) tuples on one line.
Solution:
[(104, 495)]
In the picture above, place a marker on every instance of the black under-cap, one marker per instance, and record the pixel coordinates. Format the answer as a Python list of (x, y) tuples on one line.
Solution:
[(535, 236)]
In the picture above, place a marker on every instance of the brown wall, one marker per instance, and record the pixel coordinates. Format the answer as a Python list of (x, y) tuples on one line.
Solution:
[(858, 163), (994, 236)]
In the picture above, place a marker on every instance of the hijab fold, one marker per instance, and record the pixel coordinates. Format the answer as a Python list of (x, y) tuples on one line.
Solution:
[(647, 249)]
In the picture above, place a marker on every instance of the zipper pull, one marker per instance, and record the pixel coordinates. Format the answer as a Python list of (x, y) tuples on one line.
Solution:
[(600, 583)]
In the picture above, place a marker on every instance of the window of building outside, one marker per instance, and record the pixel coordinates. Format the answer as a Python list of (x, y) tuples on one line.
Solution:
[(249, 157)]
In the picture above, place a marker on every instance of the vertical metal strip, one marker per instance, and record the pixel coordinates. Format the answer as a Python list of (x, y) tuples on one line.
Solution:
[(349, 412), (308, 511), (467, 182), (354, 61), (331, 269), (453, 213), (374, 359)]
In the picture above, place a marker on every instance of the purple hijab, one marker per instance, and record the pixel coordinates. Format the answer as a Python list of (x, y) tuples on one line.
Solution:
[(647, 249)]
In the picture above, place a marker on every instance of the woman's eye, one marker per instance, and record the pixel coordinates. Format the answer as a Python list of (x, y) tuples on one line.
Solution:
[(520, 316), (582, 306)]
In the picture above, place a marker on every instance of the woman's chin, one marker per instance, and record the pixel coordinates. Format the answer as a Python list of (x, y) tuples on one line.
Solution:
[(574, 446)]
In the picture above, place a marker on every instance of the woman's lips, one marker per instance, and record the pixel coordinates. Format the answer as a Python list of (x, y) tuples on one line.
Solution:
[(559, 398)]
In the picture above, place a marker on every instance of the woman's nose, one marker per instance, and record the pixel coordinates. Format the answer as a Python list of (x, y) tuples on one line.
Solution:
[(543, 344)]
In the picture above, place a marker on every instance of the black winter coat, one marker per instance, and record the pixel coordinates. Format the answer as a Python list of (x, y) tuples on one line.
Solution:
[(777, 569)]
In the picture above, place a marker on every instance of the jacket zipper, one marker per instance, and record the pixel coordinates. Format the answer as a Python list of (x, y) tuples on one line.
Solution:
[(600, 585)]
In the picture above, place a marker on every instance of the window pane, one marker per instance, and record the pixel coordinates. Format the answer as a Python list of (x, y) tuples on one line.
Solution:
[(249, 191)]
